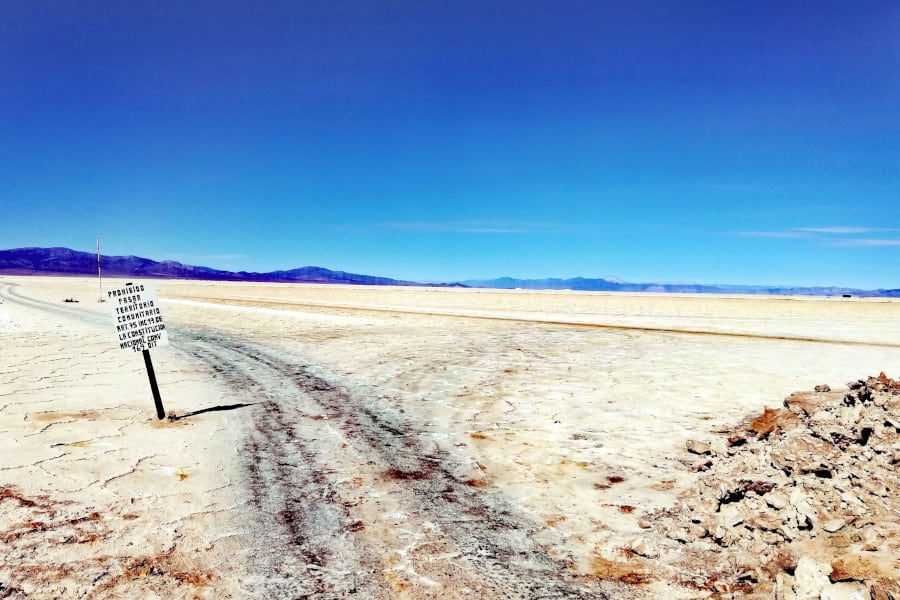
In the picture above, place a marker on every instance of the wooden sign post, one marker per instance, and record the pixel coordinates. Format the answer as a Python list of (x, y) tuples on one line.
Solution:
[(140, 327)]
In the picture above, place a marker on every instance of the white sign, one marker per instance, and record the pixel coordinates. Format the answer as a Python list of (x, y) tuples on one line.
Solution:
[(139, 323)]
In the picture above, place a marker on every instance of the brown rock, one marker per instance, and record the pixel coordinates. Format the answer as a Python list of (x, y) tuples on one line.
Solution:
[(884, 383), (760, 488), (823, 388), (884, 589), (855, 567), (773, 419), (801, 403), (786, 560), (764, 520)]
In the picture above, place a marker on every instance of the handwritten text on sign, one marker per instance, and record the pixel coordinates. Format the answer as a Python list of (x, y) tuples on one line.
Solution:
[(139, 323)]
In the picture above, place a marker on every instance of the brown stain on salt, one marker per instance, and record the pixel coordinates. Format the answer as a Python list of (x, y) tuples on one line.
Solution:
[(198, 579), (554, 520), (168, 423), (397, 583), (94, 516), (611, 480), (664, 485), (632, 573), (8, 493), (52, 415)]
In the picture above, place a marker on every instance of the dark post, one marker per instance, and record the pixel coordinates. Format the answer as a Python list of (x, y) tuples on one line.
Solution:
[(160, 412)]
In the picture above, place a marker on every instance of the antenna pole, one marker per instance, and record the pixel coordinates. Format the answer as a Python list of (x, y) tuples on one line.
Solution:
[(99, 276)]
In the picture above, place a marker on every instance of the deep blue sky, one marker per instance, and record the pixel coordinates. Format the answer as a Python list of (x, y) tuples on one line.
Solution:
[(716, 142)]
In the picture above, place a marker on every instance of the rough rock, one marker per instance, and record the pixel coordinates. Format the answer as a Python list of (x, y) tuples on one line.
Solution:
[(834, 525), (810, 578), (845, 591), (784, 587), (643, 547), (801, 501), (885, 590), (695, 447)]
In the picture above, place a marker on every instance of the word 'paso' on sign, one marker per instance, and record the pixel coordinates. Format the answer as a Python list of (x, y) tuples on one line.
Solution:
[(139, 322)]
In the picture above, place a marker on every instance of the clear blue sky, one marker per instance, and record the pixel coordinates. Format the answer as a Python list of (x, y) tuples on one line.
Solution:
[(748, 142)]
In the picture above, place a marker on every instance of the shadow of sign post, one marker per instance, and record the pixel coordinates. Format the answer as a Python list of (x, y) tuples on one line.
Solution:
[(140, 327)]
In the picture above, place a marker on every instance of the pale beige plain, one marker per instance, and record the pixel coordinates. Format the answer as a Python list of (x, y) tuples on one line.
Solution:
[(552, 395)]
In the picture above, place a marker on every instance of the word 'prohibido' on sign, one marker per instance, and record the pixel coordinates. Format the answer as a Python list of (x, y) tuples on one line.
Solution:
[(139, 322)]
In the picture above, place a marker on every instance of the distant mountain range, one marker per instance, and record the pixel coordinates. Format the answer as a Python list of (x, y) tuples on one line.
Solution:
[(63, 261), (609, 284)]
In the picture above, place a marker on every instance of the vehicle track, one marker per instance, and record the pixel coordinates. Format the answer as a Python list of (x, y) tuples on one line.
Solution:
[(11, 293), (300, 540), (299, 471), (474, 315)]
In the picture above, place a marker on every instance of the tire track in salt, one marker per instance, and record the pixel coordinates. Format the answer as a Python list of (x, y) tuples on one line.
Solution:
[(311, 436), (302, 543)]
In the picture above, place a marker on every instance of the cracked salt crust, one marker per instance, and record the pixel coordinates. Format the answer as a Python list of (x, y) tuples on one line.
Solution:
[(573, 423)]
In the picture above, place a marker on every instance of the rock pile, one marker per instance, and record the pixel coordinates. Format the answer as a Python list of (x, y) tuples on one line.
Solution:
[(801, 502)]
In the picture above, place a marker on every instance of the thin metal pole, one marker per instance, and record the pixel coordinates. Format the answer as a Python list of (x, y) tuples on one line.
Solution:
[(99, 276), (160, 412)]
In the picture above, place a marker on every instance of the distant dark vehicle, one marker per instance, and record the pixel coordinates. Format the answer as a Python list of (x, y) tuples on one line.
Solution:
[(70, 300), (848, 295)]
